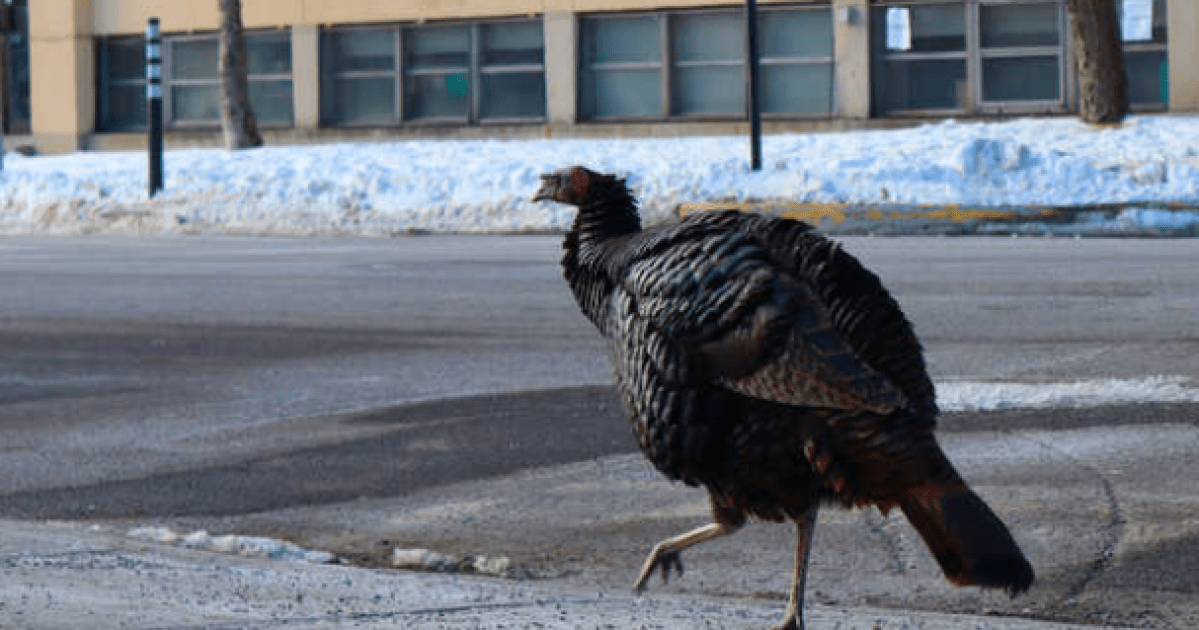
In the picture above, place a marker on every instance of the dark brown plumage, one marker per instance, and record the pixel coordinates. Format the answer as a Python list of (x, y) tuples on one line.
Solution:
[(757, 359)]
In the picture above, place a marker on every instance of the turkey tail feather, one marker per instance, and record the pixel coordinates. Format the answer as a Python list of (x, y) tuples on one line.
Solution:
[(973, 547)]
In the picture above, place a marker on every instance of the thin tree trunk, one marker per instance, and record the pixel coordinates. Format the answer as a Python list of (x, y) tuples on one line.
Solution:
[(237, 118), (1099, 58)]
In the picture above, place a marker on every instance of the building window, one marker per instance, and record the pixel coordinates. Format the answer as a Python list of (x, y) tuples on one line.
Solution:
[(693, 64), (191, 92), (984, 56), (450, 73), (1021, 51), (14, 66), (1145, 55)]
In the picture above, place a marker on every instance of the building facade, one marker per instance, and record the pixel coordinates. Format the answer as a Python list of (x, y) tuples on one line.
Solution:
[(74, 76)]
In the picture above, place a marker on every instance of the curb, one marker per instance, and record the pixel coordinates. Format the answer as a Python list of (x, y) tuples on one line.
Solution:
[(1168, 219)]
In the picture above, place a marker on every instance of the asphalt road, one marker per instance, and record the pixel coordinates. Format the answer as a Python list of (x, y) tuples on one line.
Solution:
[(365, 394)]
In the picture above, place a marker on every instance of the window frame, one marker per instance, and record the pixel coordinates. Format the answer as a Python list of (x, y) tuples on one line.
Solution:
[(979, 55), (400, 74), (666, 64), (1151, 46), (104, 82)]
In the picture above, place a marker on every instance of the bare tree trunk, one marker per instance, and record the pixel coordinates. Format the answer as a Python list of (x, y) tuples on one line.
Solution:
[(237, 118), (1099, 58)]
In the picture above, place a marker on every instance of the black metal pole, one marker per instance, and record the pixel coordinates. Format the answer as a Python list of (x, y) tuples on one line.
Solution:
[(755, 106), (154, 104)]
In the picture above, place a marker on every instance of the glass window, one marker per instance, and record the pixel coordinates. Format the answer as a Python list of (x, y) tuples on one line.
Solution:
[(1148, 76), (797, 88), (512, 43), (1021, 79), (796, 56), (15, 114), (513, 95), (272, 101), (1018, 25), (437, 48), (122, 97), (937, 28), (624, 39), (707, 37), (623, 93), (709, 63), (437, 96), (364, 50), (363, 100), (622, 67), (924, 84), (807, 33), (193, 59), (268, 54), (195, 103)]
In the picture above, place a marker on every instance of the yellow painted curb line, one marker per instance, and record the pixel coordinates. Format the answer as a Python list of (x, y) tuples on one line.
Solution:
[(838, 212)]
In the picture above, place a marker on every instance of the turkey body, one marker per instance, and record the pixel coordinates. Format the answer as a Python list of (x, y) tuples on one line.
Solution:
[(757, 359)]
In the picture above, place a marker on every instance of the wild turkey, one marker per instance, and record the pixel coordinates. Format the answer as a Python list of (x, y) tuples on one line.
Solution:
[(759, 360)]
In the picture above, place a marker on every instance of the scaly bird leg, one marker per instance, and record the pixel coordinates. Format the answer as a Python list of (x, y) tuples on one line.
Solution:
[(805, 527), (665, 554)]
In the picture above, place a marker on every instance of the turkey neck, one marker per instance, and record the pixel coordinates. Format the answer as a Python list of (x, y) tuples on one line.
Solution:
[(600, 228)]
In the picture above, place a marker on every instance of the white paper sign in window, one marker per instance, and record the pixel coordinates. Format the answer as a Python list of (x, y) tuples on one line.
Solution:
[(1136, 20), (899, 28)]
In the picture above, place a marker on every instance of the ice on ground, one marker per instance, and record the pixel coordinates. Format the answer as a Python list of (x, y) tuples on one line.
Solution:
[(989, 396), (248, 546), (485, 185)]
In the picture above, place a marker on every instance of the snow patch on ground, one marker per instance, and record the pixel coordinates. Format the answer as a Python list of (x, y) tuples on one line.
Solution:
[(990, 396), (485, 185), (248, 546)]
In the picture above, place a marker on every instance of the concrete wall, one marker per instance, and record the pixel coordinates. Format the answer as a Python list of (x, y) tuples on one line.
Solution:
[(62, 65), (1182, 31)]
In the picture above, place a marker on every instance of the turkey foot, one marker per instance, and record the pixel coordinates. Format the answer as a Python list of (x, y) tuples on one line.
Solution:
[(665, 555)]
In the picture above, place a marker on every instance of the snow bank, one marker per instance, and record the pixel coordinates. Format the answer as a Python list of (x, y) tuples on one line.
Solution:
[(484, 186)]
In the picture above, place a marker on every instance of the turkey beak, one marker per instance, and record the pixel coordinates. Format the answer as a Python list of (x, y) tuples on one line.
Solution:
[(550, 185)]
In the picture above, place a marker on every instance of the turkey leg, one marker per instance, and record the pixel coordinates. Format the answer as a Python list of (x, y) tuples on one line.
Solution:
[(665, 555), (805, 527)]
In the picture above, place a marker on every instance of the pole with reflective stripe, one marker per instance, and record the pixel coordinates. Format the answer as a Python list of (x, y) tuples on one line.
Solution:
[(154, 103)]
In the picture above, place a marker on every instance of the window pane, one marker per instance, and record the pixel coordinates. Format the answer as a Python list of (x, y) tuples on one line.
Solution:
[(797, 88), (364, 50), (624, 93), (125, 60), (1021, 79), (194, 59), (513, 95), (1147, 76), (610, 40), (707, 37), (1158, 26), (709, 90), (437, 48), (512, 43), (271, 101), (436, 96), (124, 108), (364, 100), (195, 103), (1018, 25), (934, 28), (268, 54), (795, 33), (933, 84)]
